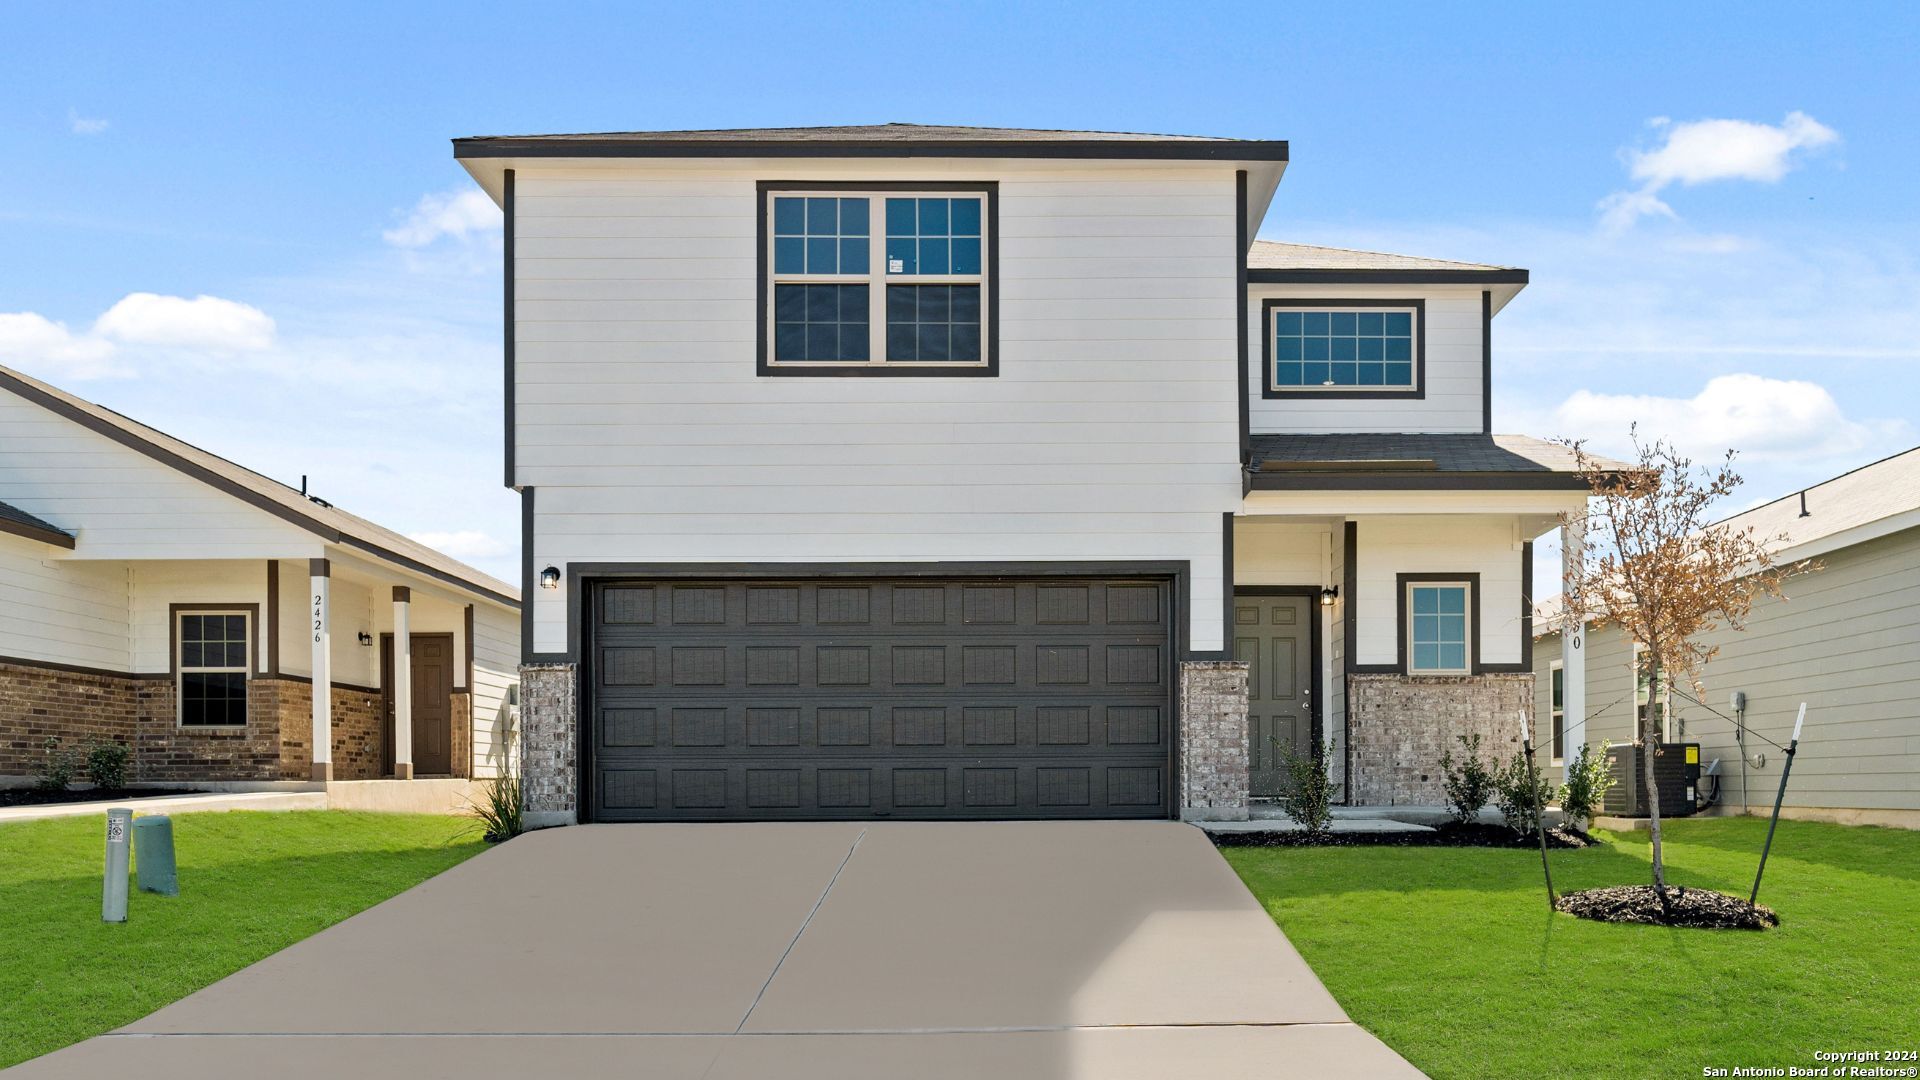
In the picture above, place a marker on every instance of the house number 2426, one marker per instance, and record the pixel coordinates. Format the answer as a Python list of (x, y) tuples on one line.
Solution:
[(319, 614)]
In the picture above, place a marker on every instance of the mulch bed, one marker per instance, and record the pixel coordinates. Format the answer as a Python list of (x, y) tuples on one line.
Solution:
[(1451, 834), (40, 797), (1699, 908)]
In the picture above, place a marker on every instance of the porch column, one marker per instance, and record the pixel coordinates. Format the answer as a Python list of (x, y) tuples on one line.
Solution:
[(1573, 640), (321, 572), (402, 684)]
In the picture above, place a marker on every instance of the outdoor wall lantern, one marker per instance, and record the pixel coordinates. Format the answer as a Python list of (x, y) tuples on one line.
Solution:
[(550, 578), (1328, 595), (366, 638)]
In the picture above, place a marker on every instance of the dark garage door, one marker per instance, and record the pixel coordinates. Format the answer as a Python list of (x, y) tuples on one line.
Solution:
[(882, 698)]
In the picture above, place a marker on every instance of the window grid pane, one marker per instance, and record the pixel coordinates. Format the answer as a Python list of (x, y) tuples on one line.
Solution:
[(933, 323), (1366, 349), (934, 236), (1438, 628), (819, 235), (213, 670), (820, 322)]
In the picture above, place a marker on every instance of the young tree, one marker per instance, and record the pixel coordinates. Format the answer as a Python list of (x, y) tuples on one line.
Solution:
[(1658, 567)]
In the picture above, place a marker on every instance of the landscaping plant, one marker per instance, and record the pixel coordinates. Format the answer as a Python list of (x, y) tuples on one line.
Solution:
[(107, 765), (1519, 792), (502, 813), (1309, 787), (1469, 783), (1657, 566), (1588, 779), (58, 767)]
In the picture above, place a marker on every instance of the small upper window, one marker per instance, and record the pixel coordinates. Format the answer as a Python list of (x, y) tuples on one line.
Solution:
[(1343, 349), (1557, 709), (1437, 628), (212, 668), (869, 283)]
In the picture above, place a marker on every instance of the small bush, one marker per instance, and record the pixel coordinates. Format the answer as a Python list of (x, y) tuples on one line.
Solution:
[(107, 765), (1585, 791), (1520, 793), (1469, 783), (1309, 787), (58, 767), (502, 813)]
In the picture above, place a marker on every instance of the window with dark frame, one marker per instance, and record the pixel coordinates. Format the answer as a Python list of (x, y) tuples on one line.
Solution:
[(1438, 626), (212, 666), (872, 281), (1343, 348)]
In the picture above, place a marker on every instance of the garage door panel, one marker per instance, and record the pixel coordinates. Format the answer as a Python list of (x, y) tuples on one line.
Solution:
[(857, 698)]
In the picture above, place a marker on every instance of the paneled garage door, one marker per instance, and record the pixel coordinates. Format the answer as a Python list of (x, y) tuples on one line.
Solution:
[(879, 698)]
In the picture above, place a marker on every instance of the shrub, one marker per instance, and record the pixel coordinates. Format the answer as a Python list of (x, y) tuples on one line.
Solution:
[(1309, 787), (107, 765), (1585, 791), (1470, 783), (1520, 793), (58, 767), (503, 811)]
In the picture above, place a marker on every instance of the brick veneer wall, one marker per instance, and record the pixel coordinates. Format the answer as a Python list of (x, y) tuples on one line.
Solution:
[(549, 737), (1400, 725), (77, 708), (1213, 740), (285, 706), (462, 733)]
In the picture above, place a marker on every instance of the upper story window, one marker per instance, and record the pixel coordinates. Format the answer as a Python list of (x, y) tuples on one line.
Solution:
[(1344, 348), (878, 279), (1438, 626), (211, 667)]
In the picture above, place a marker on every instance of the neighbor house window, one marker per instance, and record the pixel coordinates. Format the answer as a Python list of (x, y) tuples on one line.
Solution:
[(1557, 709), (878, 281), (1343, 348), (212, 668), (1647, 697), (1437, 625)]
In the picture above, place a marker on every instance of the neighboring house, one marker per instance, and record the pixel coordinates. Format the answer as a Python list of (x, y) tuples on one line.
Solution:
[(1845, 640), (933, 472), (155, 595)]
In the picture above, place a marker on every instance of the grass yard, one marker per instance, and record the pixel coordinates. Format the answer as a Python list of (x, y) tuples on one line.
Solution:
[(250, 885), (1451, 956)]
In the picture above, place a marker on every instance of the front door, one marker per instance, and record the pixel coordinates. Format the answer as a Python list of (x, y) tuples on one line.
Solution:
[(1273, 634), (432, 702)]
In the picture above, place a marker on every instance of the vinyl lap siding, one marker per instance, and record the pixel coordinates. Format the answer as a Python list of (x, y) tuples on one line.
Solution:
[(61, 612), (1111, 432), (496, 666)]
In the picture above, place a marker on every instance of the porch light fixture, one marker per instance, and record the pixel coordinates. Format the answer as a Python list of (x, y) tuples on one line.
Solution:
[(1328, 595), (550, 578), (366, 638)]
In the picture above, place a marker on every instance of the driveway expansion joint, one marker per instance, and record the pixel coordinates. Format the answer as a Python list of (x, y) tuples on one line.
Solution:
[(804, 923)]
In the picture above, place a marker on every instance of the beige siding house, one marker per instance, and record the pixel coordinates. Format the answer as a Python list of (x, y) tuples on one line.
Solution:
[(155, 595), (1845, 640)]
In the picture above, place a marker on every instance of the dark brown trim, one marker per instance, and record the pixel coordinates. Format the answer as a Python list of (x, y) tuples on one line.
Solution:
[(1419, 391), (1421, 481), (1386, 277), (319, 568), (272, 629), (254, 668), (1082, 149), (1227, 587), (402, 594), (1317, 719), (763, 364), (55, 537), (422, 568), (467, 678), (1486, 361), (1241, 239), (508, 322), (81, 669)]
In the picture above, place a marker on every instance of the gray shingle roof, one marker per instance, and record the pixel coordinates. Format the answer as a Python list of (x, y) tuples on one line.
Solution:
[(872, 140), (894, 132), (18, 521), (1414, 453), (1275, 255)]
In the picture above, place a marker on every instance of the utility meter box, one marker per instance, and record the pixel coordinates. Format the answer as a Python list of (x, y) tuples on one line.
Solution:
[(1676, 771)]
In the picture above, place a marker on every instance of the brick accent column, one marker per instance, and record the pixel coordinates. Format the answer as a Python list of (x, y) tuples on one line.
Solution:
[(549, 742), (1213, 740)]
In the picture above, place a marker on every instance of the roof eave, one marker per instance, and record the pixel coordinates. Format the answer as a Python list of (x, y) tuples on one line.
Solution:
[(1387, 277), (1087, 149), (1420, 481), (55, 537)]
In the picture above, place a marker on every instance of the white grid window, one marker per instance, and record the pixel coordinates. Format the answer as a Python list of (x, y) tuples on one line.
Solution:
[(1438, 623), (211, 668)]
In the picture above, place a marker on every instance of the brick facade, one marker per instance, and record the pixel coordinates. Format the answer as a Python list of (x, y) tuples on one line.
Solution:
[(36, 703), (1400, 725), (549, 737), (1213, 740)]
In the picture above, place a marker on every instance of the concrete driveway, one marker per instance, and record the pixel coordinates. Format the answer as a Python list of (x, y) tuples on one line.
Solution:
[(1010, 950)]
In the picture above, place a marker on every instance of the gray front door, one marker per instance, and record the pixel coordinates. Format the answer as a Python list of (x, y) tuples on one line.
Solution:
[(1273, 634)]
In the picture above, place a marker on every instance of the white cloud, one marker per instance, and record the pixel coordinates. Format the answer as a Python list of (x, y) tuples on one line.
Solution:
[(467, 545), (28, 339), (1763, 418), (204, 322), (1706, 151), (85, 125), (457, 214)]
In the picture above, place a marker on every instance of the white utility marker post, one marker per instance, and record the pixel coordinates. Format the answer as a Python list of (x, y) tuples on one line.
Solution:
[(321, 573), (402, 683), (1573, 642)]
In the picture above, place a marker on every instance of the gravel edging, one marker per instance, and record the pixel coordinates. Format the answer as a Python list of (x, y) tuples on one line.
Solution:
[(1451, 834), (1695, 908)]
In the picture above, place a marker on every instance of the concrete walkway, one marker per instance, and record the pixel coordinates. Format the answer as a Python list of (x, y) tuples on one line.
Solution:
[(172, 804), (1100, 949)]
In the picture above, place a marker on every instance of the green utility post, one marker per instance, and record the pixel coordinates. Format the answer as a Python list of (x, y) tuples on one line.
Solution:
[(153, 855), (113, 891)]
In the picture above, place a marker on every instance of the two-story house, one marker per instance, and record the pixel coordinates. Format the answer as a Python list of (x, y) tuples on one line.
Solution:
[(934, 472)]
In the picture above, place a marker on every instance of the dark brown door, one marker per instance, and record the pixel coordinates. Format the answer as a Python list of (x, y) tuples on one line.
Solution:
[(1273, 634), (432, 702), (880, 698)]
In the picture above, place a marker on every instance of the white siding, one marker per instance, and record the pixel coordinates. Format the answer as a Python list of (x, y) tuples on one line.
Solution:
[(156, 586), (1453, 371), (496, 667), (1271, 551), (1110, 433), (1389, 546), (61, 611)]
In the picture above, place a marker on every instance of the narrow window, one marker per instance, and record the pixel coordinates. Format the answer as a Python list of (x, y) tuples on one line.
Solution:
[(1344, 348), (878, 282), (212, 666), (1437, 628), (1557, 710)]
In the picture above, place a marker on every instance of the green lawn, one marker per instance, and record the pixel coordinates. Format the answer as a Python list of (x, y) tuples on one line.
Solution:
[(250, 885), (1451, 956)]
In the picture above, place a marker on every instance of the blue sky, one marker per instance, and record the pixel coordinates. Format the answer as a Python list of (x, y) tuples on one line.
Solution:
[(1757, 284)]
